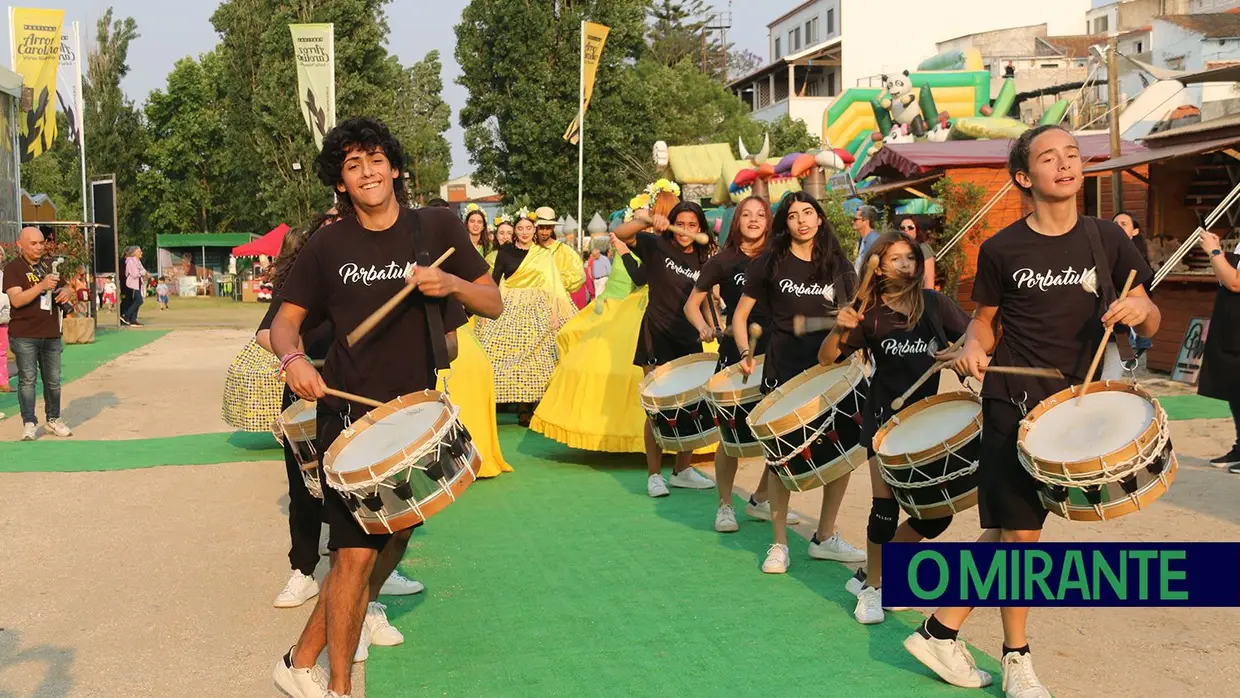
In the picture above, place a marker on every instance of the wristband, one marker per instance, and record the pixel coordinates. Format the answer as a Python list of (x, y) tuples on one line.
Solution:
[(290, 358)]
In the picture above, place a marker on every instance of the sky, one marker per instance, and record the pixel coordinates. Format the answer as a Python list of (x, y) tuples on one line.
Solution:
[(173, 29)]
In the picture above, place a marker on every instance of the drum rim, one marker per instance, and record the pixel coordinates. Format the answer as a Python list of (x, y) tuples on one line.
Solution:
[(286, 424), (853, 371), (948, 445), (853, 458), (685, 397), (744, 396), (375, 471), (434, 504), (1153, 490), (1103, 462)]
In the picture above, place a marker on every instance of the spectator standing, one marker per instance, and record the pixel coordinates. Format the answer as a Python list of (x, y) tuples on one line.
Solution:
[(34, 331), (135, 277), (865, 224)]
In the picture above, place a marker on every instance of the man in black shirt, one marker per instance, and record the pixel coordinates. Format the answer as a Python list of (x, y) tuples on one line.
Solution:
[(1039, 279), (344, 273)]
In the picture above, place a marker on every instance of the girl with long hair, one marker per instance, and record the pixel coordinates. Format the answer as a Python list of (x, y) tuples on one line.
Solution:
[(476, 224), (673, 261), (802, 272), (504, 235), (917, 234), (747, 236), (895, 327)]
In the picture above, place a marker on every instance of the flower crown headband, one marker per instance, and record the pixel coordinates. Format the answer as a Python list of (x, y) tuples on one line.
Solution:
[(502, 219), (525, 212), (647, 198)]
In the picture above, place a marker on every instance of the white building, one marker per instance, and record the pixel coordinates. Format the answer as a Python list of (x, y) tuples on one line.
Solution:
[(820, 48), (1199, 42)]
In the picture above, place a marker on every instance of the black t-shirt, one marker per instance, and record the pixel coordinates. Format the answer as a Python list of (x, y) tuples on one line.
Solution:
[(902, 355), (316, 332), (727, 269), (789, 287), (507, 260), (1047, 316), (346, 272), (637, 272), (670, 273)]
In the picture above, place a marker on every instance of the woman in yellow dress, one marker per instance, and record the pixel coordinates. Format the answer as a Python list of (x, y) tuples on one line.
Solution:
[(476, 224), (471, 386), (536, 274), (504, 234)]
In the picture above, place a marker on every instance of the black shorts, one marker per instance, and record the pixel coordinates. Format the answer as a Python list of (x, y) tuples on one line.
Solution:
[(655, 348), (1007, 493), (343, 530)]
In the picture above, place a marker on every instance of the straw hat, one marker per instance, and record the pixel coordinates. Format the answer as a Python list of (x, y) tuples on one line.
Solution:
[(546, 216)]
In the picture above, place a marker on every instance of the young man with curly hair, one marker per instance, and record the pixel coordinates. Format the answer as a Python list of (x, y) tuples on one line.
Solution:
[(346, 272)]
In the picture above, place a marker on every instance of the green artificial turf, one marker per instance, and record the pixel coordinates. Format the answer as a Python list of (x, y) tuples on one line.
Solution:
[(50, 454), (564, 579), (1194, 407)]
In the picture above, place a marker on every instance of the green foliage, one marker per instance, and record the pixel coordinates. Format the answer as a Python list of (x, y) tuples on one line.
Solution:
[(421, 119), (959, 201), (840, 221)]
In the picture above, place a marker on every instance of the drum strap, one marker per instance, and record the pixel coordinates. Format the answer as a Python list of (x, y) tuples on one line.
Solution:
[(433, 306), (1106, 287)]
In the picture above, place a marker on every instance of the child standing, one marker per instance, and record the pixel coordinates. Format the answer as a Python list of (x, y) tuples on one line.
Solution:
[(161, 291)]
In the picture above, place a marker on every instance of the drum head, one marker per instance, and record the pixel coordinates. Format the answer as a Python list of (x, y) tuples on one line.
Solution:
[(306, 414), (388, 436), (929, 427), (806, 392), (682, 378), (1105, 421), (731, 383)]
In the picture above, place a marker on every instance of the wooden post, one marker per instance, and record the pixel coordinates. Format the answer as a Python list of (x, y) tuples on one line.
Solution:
[(1117, 176)]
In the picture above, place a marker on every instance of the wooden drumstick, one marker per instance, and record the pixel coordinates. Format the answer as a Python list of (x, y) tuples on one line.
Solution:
[(755, 331), (1024, 371), (699, 238), (352, 398), (898, 403), (376, 317), (1106, 337)]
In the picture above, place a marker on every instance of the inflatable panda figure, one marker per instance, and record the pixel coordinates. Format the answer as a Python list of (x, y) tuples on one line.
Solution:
[(902, 104)]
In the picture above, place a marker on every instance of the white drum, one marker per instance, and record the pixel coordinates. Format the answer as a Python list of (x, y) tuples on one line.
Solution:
[(402, 462), (298, 424), (674, 400)]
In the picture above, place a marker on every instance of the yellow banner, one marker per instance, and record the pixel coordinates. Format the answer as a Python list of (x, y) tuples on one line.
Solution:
[(36, 55), (314, 50), (592, 51)]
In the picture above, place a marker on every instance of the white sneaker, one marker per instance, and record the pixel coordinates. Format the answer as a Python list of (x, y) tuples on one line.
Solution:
[(762, 512), (59, 428), (776, 559), (381, 631), (856, 582), (691, 479), (30, 431), (363, 644), (835, 548), (398, 584), (656, 486), (1019, 681), (299, 683), (950, 659), (299, 590), (869, 610), (725, 519)]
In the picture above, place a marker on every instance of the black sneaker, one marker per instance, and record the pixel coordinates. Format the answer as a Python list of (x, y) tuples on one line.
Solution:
[(1229, 460)]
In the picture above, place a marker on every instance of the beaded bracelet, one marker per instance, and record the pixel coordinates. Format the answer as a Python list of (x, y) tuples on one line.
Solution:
[(290, 358)]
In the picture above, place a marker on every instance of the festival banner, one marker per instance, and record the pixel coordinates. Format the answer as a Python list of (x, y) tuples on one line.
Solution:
[(592, 52), (314, 49), (67, 84), (36, 56)]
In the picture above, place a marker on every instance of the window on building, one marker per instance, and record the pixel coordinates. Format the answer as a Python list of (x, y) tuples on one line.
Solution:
[(830, 21), (831, 84), (1101, 25), (1049, 66), (1139, 46), (792, 44), (1176, 63), (778, 55), (811, 32), (797, 42)]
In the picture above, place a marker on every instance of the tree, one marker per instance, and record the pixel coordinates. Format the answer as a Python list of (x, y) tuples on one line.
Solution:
[(116, 135), (421, 119), (742, 63), (186, 188), (675, 32), (519, 61)]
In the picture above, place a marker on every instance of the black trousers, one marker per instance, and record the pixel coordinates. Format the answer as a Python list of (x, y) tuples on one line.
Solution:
[(305, 512)]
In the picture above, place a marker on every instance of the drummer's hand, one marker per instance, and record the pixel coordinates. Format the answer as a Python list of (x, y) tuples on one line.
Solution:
[(1209, 242), (621, 248), (748, 365), (644, 215), (660, 222), (706, 333), (304, 380), (968, 360), (848, 319), (1131, 311), (433, 282)]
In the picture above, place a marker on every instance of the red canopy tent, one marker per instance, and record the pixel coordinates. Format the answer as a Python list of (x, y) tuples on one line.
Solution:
[(268, 244)]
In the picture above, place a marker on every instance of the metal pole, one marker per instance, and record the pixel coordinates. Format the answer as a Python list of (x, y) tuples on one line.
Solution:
[(581, 137), (87, 232), (1117, 177)]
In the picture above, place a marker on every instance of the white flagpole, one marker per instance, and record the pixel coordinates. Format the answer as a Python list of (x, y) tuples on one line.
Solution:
[(331, 86), (17, 113), (80, 119), (581, 140)]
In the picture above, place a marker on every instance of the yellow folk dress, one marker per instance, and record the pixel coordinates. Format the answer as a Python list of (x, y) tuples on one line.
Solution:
[(472, 388), (521, 342)]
